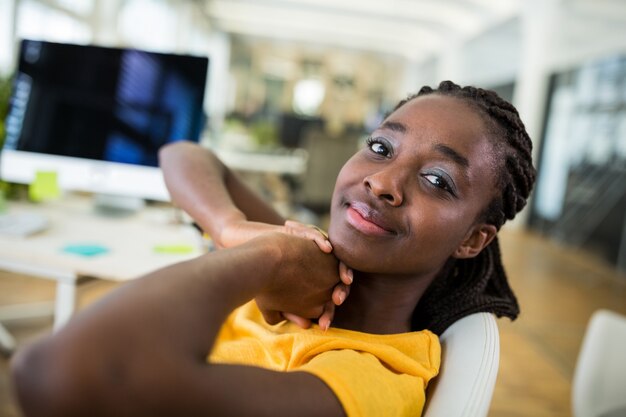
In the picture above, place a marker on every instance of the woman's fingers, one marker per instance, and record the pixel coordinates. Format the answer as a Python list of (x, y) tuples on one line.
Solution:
[(342, 290), (345, 273), (299, 321), (323, 243), (310, 232), (340, 293), (327, 316)]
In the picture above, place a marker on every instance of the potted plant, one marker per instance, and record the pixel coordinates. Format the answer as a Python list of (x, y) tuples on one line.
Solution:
[(5, 93)]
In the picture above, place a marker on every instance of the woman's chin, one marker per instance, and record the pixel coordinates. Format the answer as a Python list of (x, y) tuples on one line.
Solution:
[(351, 257)]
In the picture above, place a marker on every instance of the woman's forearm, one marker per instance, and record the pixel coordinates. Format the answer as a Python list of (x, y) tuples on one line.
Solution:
[(211, 193), (116, 357), (197, 182), (161, 321)]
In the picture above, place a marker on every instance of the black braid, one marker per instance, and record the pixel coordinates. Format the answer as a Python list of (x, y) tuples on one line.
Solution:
[(466, 286)]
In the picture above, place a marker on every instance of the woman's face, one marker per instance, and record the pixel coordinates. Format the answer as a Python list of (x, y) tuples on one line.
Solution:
[(411, 198)]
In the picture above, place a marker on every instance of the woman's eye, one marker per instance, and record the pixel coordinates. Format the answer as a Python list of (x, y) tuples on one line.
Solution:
[(439, 182), (378, 147)]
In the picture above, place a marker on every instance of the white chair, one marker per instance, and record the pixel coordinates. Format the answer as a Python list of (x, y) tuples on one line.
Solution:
[(470, 356), (599, 384)]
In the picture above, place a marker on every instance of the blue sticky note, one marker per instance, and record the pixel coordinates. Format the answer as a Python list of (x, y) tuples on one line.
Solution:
[(85, 249)]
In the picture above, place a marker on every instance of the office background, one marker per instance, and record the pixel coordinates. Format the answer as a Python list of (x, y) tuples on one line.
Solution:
[(316, 75)]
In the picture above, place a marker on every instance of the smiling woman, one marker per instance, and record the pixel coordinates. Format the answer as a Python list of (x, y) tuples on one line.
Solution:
[(405, 183), (411, 248)]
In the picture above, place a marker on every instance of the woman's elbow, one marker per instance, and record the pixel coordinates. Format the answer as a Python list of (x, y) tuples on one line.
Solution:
[(173, 148), (47, 384)]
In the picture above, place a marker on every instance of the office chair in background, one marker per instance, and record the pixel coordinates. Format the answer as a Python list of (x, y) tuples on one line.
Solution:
[(599, 385)]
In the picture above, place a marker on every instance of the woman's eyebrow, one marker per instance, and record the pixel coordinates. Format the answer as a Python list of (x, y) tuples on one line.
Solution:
[(395, 126), (452, 154)]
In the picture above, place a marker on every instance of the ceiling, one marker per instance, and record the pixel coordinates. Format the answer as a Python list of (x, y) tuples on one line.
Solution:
[(414, 29)]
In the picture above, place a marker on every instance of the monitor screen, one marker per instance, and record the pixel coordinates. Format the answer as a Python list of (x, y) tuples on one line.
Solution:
[(105, 109)]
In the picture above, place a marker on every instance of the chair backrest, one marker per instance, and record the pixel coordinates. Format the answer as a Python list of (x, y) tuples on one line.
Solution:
[(600, 373), (470, 356)]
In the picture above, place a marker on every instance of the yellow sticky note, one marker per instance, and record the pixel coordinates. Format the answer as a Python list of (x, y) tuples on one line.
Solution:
[(173, 249), (45, 186)]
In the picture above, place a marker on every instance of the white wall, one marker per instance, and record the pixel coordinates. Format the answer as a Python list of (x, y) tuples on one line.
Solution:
[(578, 31), (492, 58), (7, 43), (589, 30)]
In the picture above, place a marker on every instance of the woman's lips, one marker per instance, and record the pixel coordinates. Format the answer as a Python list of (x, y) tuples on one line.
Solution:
[(364, 219)]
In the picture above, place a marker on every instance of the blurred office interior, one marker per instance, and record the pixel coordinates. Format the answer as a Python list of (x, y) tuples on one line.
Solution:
[(307, 79), (299, 74)]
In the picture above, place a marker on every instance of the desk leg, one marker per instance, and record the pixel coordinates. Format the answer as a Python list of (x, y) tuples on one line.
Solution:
[(65, 302), (20, 311), (7, 342)]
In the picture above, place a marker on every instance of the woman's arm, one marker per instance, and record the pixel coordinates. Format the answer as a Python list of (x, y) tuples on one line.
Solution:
[(141, 351), (230, 211), (213, 195)]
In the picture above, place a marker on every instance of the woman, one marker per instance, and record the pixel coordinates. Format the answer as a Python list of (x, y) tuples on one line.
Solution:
[(414, 218)]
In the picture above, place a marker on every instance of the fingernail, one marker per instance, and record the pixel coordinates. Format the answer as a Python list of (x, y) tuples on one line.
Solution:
[(350, 275), (341, 297)]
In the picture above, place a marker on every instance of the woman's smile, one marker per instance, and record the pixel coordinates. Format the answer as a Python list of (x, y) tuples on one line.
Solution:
[(367, 221)]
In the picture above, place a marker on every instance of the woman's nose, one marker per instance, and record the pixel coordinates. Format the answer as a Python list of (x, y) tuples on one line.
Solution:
[(386, 185)]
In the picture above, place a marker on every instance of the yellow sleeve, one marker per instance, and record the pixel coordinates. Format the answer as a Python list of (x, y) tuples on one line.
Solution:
[(366, 387)]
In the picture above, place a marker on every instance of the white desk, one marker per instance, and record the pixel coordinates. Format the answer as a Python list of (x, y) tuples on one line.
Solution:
[(131, 243), (293, 162)]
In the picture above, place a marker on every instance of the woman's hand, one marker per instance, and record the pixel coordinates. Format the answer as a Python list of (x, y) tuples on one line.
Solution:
[(239, 231), (311, 232), (302, 286), (341, 290)]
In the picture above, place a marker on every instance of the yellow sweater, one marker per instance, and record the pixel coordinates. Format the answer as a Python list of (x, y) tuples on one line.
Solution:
[(371, 375)]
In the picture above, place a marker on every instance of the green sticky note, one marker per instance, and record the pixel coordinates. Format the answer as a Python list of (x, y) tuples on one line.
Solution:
[(44, 187), (87, 250), (174, 249)]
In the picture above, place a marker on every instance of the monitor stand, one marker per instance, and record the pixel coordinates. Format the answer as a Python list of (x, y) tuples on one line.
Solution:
[(116, 205)]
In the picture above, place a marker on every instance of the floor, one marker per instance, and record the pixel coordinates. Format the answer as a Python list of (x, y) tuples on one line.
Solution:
[(558, 291)]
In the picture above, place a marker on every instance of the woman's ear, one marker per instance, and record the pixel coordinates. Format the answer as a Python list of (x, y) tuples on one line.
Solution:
[(480, 236)]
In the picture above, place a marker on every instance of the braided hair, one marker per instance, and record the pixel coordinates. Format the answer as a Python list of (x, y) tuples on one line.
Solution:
[(466, 286)]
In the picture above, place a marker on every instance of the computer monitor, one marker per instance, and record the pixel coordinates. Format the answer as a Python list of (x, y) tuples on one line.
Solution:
[(97, 116)]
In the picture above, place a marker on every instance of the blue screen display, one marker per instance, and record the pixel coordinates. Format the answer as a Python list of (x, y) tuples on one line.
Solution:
[(109, 104)]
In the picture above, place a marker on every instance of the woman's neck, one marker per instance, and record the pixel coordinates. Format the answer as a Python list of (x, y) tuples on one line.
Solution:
[(381, 304)]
